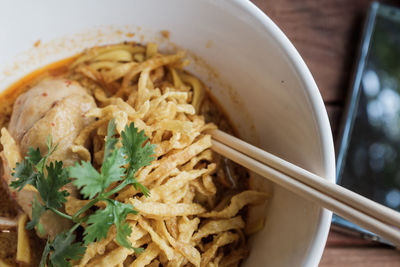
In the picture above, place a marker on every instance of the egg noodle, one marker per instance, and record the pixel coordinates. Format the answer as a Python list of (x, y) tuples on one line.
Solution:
[(187, 220)]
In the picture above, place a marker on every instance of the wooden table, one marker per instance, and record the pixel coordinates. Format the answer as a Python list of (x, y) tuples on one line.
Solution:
[(327, 33)]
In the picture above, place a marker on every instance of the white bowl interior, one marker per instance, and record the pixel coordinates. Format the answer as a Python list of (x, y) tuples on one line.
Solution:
[(256, 75)]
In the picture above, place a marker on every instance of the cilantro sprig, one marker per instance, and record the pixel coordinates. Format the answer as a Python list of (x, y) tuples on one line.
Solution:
[(62, 248), (120, 164), (28, 171)]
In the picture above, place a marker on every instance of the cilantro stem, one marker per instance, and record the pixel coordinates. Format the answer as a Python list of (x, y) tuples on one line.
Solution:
[(116, 189), (74, 228), (131, 171), (59, 213), (75, 217), (101, 197)]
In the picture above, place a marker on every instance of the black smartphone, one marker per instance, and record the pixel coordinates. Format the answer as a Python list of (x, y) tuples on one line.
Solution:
[(368, 148)]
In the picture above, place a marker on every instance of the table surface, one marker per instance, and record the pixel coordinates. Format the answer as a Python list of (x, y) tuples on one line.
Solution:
[(327, 33)]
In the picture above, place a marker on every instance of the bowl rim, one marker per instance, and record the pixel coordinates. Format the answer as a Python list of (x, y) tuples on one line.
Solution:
[(320, 115)]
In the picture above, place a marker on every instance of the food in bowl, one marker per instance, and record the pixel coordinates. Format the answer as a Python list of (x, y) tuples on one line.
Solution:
[(108, 155)]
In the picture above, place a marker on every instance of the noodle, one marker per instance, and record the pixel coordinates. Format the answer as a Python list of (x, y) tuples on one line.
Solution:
[(185, 220)]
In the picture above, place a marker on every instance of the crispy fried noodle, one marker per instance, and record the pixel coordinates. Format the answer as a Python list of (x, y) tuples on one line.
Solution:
[(195, 214)]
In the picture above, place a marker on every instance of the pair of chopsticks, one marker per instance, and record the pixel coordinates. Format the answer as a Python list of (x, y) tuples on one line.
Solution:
[(362, 211)]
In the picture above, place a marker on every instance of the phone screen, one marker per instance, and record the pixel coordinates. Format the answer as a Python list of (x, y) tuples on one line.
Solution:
[(369, 156), (372, 164)]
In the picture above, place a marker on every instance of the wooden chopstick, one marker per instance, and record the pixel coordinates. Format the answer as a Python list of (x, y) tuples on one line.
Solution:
[(357, 201), (374, 217)]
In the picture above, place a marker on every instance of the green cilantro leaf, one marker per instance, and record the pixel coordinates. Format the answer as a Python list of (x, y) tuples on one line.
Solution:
[(37, 211), (139, 155), (49, 187), (100, 222), (63, 249), (124, 231), (98, 225), (87, 178), (91, 181), (114, 158), (45, 254), (23, 174), (110, 140), (34, 155), (40, 228), (112, 170)]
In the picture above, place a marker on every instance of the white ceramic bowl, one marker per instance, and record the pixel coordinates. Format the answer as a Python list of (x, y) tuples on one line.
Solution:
[(257, 75)]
